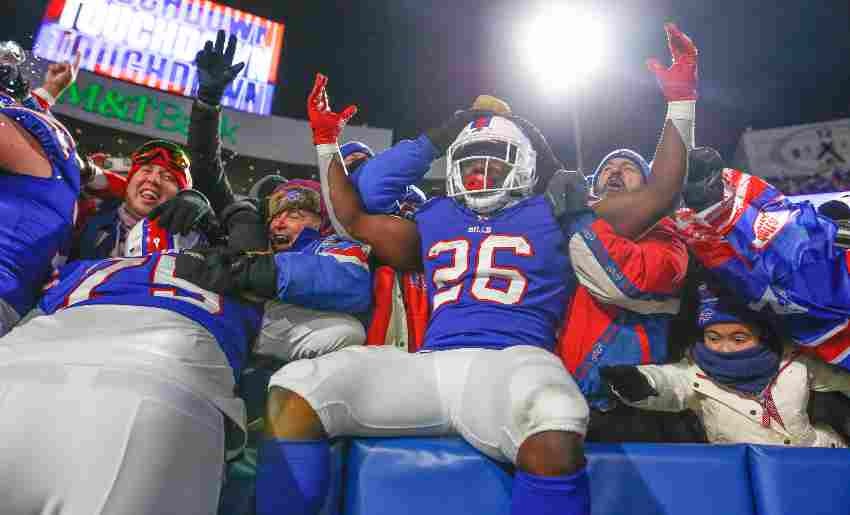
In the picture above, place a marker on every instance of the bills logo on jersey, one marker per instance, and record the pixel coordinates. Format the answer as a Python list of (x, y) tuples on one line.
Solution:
[(768, 224)]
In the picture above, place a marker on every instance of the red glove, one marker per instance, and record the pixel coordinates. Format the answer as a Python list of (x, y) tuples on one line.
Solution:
[(679, 81), (326, 124)]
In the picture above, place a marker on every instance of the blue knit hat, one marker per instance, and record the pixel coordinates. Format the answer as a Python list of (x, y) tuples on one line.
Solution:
[(355, 146), (720, 308), (625, 153)]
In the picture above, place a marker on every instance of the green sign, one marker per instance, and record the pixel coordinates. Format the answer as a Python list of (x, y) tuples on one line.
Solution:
[(138, 109)]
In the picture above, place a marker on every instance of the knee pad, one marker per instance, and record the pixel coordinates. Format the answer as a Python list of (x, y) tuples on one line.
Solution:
[(554, 407), (544, 397)]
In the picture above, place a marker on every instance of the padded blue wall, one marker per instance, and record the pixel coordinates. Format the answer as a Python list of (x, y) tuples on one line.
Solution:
[(446, 476)]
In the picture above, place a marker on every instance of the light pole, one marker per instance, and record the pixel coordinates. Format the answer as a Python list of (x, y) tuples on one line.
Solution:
[(577, 132)]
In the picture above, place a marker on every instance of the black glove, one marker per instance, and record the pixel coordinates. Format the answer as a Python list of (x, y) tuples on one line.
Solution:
[(705, 178), (627, 382), (216, 69), (210, 268), (224, 271), (246, 227), (566, 193), (188, 210), (256, 274), (443, 136), (266, 186)]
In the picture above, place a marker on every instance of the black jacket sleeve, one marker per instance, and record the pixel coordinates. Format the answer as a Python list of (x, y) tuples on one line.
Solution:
[(205, 148)]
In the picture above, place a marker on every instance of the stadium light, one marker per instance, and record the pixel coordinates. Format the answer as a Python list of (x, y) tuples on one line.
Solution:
[(563, 47)]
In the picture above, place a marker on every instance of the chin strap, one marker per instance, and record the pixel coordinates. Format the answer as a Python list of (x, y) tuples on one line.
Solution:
[(682, 113), (325, 154)]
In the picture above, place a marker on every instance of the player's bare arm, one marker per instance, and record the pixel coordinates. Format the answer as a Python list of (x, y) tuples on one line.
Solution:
[(634, 213), (394, 240), (20, 152)]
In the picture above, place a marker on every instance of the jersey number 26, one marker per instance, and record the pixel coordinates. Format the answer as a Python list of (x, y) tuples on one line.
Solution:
[(448, 279)]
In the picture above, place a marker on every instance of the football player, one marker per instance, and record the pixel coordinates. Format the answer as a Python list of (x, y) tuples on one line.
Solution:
[(498, 281), (120, 398), (39, 183)]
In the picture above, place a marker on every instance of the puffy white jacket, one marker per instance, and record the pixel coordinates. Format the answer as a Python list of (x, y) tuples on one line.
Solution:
[(733, 417)]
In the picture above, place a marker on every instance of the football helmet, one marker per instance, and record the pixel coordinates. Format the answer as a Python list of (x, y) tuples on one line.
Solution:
[(148, 236), (490, 162), (14, 87)]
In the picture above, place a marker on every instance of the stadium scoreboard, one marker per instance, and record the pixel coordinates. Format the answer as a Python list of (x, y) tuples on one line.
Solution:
[(154, 42)]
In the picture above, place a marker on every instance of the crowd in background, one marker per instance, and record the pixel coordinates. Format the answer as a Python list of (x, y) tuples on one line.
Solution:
[(828, 182)]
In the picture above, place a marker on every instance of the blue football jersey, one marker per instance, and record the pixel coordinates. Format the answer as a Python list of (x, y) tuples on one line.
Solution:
[(150, 281), (493, 281), (37, 214)]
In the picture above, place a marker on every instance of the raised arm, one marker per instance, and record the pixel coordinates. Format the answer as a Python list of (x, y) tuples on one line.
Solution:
[(20, 152), (633, 214), (215, 73), (394, 240)]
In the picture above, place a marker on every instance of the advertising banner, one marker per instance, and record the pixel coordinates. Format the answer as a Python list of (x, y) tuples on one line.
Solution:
[(127, 107), (796, 151), (153, 43)]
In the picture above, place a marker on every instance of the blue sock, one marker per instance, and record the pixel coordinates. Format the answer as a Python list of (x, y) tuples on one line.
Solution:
[(550, 495), (292, 476)]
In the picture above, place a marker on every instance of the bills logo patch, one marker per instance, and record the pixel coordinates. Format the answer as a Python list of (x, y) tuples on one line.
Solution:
[(767, 225), (482, 122), (705, 316)]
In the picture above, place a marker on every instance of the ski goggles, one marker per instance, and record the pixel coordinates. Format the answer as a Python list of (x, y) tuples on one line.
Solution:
[(158, 148)]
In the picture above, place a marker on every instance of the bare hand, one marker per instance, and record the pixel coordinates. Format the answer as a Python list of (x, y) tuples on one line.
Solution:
[(61, 75)]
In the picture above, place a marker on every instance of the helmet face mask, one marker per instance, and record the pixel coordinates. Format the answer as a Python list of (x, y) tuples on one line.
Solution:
[(12, 81), (490, 162)]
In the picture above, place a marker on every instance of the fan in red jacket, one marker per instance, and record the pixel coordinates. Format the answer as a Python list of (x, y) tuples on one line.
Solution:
[(628, 289)]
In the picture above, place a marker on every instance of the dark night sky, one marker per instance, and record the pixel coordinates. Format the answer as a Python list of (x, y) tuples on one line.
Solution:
[(409, 64)]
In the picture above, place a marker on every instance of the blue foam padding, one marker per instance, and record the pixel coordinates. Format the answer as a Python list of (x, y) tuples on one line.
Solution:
[(423, 476), (693, 479), (800, 480)]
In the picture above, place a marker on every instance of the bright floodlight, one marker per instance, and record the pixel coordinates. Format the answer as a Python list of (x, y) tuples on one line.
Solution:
[(563, 46)]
